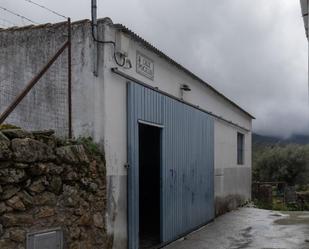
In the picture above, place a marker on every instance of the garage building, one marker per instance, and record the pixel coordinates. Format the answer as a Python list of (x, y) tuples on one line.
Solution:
[(178, 152)]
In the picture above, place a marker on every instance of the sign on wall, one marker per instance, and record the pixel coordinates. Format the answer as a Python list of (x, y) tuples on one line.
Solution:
[(144, 65)]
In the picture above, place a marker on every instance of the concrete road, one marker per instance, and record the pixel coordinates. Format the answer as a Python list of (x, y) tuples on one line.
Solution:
[(253, 229)]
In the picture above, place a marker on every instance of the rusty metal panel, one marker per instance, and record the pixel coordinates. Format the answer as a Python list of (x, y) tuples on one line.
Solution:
[(187, 167)]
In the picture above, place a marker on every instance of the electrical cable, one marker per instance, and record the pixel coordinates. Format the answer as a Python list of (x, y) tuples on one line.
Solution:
[(48, 9), (23, 18), (114, 47), (106, 42), (16, 14)]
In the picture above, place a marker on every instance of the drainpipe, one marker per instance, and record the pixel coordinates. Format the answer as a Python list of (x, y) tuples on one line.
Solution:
[(94, 27)]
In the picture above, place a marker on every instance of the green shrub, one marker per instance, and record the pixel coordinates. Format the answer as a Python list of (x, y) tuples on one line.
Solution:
[(288, 163)]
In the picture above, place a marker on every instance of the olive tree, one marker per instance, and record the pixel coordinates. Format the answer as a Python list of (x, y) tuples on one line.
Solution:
[(288, 163)]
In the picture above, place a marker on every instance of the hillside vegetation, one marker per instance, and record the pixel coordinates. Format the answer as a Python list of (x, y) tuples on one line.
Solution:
[(287, 163), (278, 160)]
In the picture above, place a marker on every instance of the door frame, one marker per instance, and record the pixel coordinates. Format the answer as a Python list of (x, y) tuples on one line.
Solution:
[(160, 127), (131, 223)]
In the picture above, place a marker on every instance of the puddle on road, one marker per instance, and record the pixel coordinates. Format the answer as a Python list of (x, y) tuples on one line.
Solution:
[(293, 218), (279, 215), (243, 240)]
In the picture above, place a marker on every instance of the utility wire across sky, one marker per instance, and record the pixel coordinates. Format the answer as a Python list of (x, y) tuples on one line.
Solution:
[(46, 8), (5, 22), (19, 15)]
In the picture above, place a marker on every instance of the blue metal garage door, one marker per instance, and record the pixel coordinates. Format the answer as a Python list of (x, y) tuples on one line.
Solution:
[(187, 167)]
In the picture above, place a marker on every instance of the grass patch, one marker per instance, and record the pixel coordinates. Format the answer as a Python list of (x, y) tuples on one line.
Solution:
[(92, 147)]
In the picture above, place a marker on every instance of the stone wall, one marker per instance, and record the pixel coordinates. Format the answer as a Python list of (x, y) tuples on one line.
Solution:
[(47, 183)]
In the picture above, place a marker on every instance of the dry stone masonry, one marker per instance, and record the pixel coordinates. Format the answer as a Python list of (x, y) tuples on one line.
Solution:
[(46, 183)]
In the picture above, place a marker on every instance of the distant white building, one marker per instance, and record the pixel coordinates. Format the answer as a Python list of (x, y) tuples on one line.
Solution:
[(177, 150)]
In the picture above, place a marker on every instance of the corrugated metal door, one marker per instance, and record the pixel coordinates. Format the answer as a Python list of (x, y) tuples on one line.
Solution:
[(187, 168)]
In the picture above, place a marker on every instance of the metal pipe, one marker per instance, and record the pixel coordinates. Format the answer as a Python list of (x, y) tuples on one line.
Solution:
[(94, 30), (31, 84), (69, 78), (94, 19)]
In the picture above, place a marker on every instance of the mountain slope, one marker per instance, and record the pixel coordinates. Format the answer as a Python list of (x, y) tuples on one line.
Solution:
[(258, 139)]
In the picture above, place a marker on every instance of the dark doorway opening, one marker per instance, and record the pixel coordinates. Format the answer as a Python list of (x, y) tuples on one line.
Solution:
[(149, 185)]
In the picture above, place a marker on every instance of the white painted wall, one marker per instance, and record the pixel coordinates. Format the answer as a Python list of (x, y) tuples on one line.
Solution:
[(24, 52), (231, 179)]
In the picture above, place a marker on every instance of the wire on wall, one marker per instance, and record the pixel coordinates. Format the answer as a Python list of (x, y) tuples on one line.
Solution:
[(94, 26)]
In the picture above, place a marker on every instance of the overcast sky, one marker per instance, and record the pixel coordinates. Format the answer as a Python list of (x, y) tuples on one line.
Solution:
[(255, 52)]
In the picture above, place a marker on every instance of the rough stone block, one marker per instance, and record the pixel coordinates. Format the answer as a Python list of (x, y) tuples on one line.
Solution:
[(43, 133), (71, 197), (55, 169), (17, 235), (3, 208), (9, 191), (29, 150), (11, 175), (66, 154), (85, 220), (45, 212), (26, 198), (37, 186), (98, 220), (5, 152), (16, 133), (16, 203), (1, 230), (5, 164), (7, 244), (46, 198), (21, 165), (55, 184), (72, 154), (3, 137), (39, 169), (16, 219)]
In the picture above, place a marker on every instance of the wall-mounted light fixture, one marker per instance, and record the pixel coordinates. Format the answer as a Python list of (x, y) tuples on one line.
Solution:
[(184, 88)]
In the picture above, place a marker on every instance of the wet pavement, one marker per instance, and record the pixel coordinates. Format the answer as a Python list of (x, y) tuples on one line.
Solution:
[(251, 228)]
